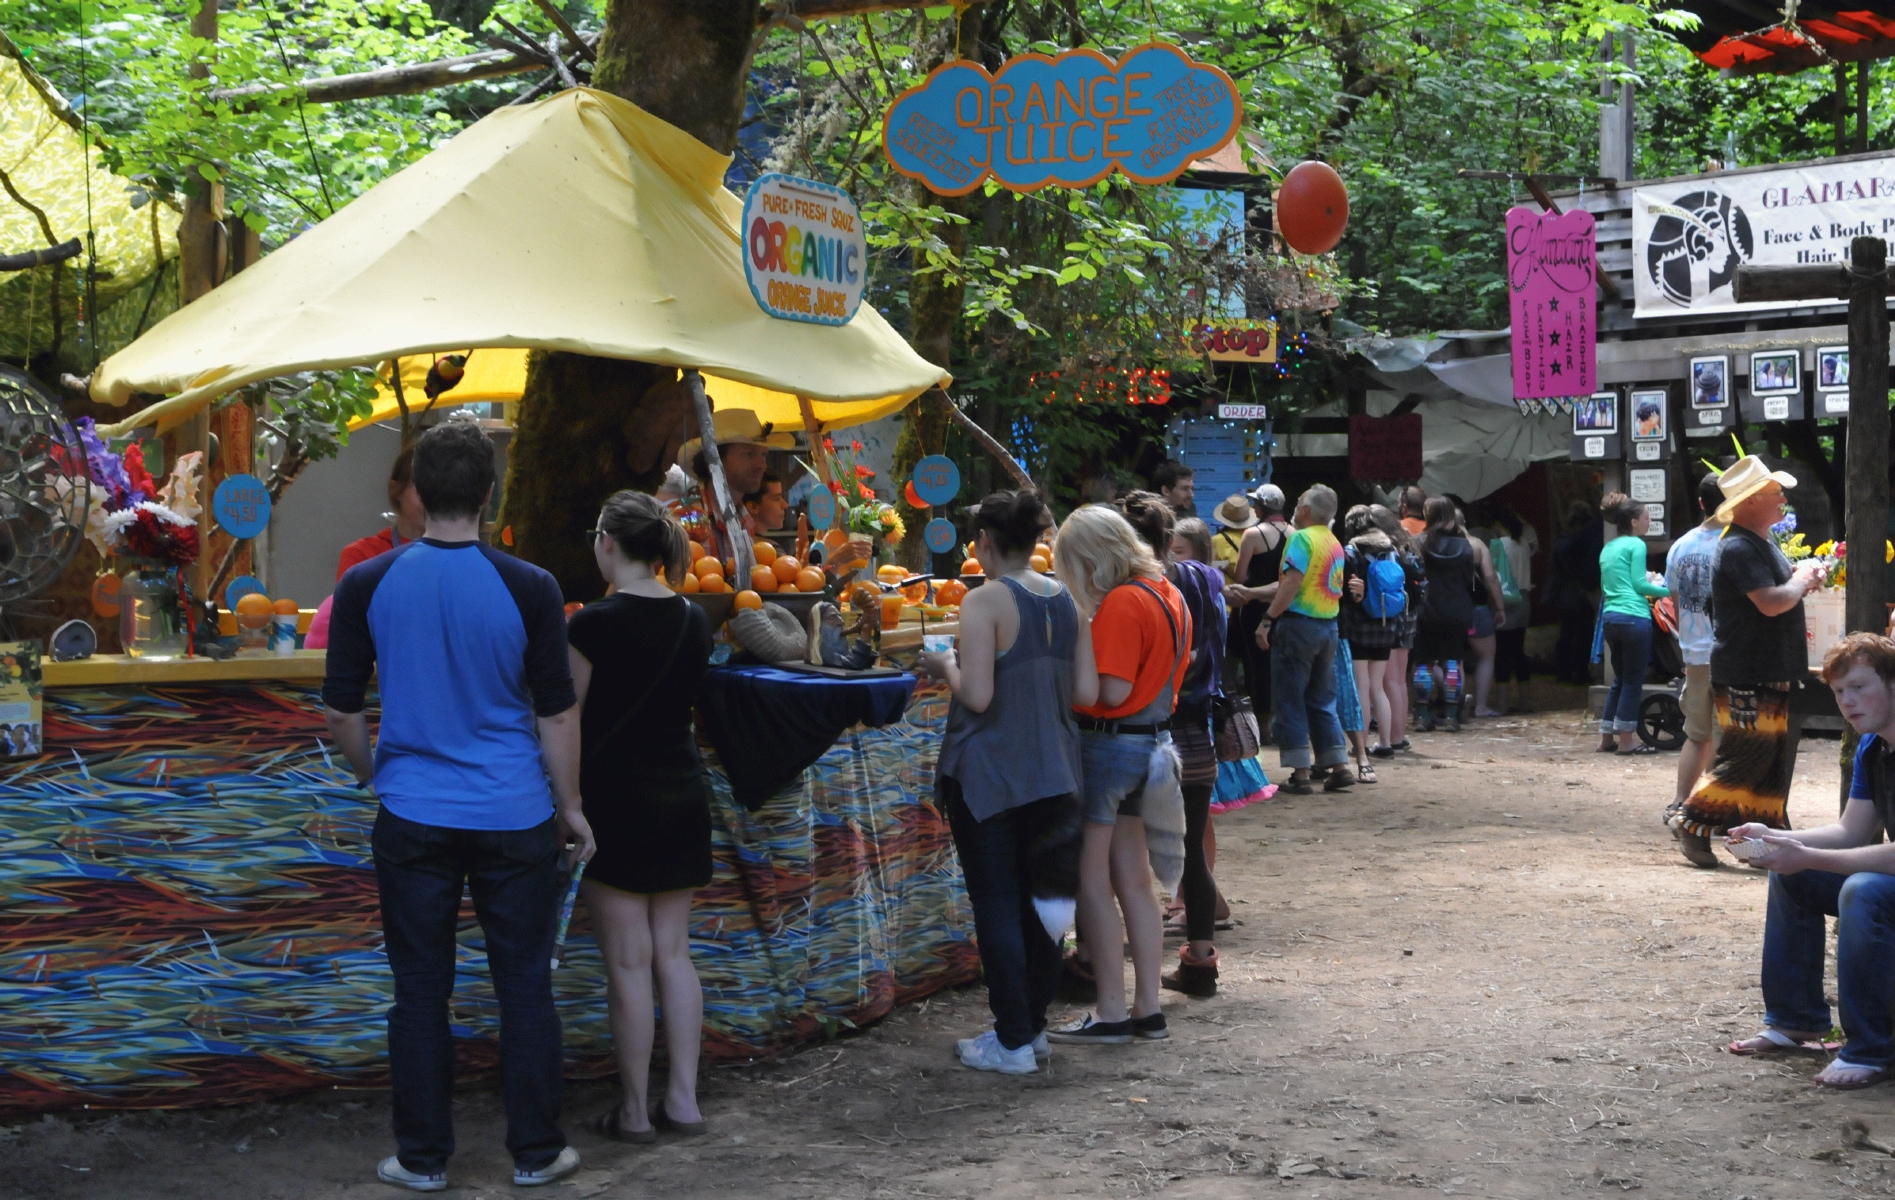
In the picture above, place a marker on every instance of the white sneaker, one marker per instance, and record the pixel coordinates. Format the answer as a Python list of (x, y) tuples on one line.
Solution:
[(1042, 1049), (390, 1170), (985, 1053), (559, 1168)]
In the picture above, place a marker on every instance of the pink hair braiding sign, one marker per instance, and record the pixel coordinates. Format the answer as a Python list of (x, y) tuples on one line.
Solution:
[(1551, 274)]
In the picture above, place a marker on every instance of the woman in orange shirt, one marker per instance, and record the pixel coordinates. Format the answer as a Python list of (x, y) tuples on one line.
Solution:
[(1130, 789)]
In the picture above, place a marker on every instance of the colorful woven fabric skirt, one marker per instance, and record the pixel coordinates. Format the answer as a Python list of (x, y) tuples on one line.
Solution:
[(1240, 783), (1749, 780)]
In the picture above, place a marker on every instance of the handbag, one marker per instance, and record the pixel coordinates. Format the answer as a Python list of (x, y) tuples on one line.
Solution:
[(1234, 728)]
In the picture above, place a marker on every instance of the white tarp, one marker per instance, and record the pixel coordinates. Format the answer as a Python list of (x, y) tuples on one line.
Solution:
[(1689, 237)]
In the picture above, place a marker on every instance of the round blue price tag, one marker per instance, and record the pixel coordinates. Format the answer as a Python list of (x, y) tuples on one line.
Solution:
[(240, 587), (241, 505), (939, 535), (937, 480), (822, 508)]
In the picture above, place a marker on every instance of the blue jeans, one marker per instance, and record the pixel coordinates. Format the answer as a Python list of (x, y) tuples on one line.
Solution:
[(1018, 960), (1629, 640), (1865, 958), (516, 882), (1303, 687), (1113, 768)]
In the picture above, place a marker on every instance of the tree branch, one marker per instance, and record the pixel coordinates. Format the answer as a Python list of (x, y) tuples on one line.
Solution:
[(388, 81), (26, 260)]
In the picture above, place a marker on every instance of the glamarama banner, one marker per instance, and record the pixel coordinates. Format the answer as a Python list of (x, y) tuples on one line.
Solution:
[(1068, 121), (1690, 236)]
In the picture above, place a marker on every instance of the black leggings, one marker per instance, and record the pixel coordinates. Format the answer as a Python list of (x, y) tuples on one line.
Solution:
[(1199, 890)]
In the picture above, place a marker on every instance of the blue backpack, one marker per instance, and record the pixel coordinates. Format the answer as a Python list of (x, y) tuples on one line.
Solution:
[(1386, 592)]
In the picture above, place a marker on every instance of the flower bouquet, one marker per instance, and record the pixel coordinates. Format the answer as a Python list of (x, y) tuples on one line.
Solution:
[(859, 511), (155, 528), (1834, 556)]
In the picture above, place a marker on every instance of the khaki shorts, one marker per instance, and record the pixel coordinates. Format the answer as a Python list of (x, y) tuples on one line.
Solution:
[(1700, 712)]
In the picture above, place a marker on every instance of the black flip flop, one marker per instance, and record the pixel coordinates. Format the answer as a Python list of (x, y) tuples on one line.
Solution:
[(1639, 750), (607, 1126), (665, 1121)]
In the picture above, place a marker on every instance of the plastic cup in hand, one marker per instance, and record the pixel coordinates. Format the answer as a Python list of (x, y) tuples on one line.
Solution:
[(937, 643)]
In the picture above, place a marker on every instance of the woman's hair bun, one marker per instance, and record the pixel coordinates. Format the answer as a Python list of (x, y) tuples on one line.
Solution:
[(1015, 519)]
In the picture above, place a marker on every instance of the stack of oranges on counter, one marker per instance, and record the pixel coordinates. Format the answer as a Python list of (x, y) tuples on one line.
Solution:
[(1040, 560)]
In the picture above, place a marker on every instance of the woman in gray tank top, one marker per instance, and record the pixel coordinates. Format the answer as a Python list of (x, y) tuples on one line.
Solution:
[(1008, 775)]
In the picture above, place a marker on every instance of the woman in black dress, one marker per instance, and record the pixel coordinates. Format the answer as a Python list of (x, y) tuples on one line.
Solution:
[(638, 657)]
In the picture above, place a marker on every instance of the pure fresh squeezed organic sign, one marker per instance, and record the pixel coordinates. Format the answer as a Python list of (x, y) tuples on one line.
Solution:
[(805, 256), (1068, 121), (1689, 238)]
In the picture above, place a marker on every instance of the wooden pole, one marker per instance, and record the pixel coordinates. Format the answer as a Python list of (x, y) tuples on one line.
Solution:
[(741, 554), (1866, 517), (985, 440), (202, 249)]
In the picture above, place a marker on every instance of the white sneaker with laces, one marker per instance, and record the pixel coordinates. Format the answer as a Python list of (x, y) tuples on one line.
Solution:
[(390, 1170), (985, 1053), (559, 1168)]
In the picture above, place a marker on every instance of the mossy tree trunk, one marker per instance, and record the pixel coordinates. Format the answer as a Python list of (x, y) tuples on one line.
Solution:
[(587, 426)]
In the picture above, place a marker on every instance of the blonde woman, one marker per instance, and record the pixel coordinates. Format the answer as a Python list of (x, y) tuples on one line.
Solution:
[(1134, 809)]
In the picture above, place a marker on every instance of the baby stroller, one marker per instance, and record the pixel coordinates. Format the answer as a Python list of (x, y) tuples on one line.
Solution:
[(1661, 716)]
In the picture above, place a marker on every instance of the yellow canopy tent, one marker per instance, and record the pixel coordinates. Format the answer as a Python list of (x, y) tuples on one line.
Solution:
[(44, 156), (499, 376), (579, 223)]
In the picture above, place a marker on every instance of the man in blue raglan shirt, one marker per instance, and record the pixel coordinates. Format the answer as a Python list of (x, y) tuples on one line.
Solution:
[(1843, 870), (478, 712)]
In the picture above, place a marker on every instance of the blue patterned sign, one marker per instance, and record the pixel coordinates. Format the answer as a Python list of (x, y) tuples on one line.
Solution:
[(241, 505), (939, 535), (1068, 121), (937, 480)]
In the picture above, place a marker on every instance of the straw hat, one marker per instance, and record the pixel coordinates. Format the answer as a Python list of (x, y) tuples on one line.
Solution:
[(1745, 478), (1235, 513), (738, 425)]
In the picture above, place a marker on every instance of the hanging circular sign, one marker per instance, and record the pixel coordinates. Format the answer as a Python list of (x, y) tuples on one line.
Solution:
[(937, 480), (238, 588), (241, 505), (939, 535), (822, 507), (805, 256), (105, 595)]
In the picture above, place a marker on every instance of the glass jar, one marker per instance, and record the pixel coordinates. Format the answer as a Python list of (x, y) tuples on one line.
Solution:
[(151, 613)]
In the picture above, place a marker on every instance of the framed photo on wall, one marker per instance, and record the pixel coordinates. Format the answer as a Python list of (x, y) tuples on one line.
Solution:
[(1648, 415), (1832, 368), (1596, 414), (1710, 381), (1776, 373)]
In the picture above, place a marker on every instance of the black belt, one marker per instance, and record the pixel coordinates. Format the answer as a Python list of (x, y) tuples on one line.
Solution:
[(1095, 725)]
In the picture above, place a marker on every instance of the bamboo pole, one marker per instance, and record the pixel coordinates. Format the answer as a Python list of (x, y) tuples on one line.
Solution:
[(743, 558)]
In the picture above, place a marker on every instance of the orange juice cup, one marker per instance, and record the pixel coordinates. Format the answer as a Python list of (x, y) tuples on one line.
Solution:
[(891, 610)]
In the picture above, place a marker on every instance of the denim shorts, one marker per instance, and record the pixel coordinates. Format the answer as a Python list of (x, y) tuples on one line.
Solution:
[(1483, 622), (1113, 768)]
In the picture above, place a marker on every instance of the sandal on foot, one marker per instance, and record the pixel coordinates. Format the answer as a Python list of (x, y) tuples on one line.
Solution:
[(1772, 1041), (1637, 751), (1295, 786), (1611, 747), (1365, 773), (1866, 1077), (607, 1126)]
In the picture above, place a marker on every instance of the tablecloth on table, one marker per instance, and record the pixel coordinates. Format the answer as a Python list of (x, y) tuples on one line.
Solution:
[(769, 725)]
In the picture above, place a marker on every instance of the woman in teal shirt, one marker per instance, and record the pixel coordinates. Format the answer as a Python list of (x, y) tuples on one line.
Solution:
[(1627, 617)]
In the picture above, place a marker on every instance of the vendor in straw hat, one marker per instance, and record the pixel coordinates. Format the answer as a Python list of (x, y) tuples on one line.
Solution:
[(1757, 651), (743, 444)]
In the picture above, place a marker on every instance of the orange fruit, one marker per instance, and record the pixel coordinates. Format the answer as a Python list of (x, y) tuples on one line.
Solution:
[(915, 592), (970, 567), (809, 579), (765, 552), (762, 579), (706, 565), (786, 568), (690, 584), (254, 604), (890, 573), (786, 587), (712, 585), (730, 567), (950, 593), (834, 538), (864, 597), (1039, 564), (749, 599), (286, 607)]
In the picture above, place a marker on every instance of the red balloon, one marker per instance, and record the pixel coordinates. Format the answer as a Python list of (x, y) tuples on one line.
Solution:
[(1312, 208)]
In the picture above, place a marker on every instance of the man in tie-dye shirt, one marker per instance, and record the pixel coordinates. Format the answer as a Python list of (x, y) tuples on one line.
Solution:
[(1300, 633)]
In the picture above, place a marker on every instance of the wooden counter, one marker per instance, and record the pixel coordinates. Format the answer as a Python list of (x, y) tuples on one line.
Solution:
[(104, 669)]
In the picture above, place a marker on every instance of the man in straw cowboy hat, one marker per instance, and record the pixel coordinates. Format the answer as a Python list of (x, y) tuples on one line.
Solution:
[(743, 445), (1233, 514), (1757, 650)]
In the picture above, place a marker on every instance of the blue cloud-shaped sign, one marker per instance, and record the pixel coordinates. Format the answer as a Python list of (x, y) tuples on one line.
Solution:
[(1068, 121)]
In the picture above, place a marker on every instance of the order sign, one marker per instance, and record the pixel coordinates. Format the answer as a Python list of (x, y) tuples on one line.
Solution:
[(804, 253)]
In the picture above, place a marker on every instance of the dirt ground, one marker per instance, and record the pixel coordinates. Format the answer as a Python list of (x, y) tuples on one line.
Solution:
[(1489, 974)]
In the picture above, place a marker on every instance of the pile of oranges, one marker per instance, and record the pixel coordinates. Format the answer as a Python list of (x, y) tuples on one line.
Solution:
[(774, 572), (1041, 560)]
